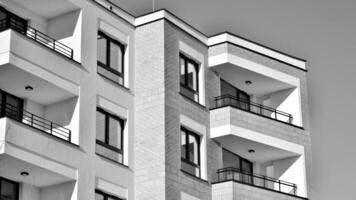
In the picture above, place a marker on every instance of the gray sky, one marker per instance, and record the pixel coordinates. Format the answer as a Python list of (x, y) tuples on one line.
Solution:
[(321, 31)]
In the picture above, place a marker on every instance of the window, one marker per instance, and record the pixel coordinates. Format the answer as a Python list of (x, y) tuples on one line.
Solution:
[(109, 135), (10, 106), (110, 53), (190, 152), (9, 190), (243, 99), (100, 195), (189, 73), (232, 160)]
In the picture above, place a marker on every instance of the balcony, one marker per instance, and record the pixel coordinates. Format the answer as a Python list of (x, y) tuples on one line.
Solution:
[(256, 180), (35, 121), (17, 24), (255, 108)]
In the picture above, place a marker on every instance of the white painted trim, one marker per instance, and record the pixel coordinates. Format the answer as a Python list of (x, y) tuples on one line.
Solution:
[(257, 137), (150, 17), (185, 196), (226, 37), (40, 161), (111, 188), (116, 10), (252, 66), (201, 130), (44, 74)]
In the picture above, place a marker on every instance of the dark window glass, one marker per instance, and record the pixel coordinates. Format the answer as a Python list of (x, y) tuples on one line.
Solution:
[(109, 135), (244, 166), (110, 53), (239, 98), (9, 190), (11, 106), (2, 17), (100, 195), (189, 73), (190, 152)]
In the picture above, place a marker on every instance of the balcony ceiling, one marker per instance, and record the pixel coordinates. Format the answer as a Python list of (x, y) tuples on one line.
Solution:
[(48, 8), (14, 80), (263, 153), (261, 85), (12, 167)]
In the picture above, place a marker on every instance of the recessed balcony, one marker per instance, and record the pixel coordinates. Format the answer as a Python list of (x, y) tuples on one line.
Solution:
[(252, 107), (256, 180)]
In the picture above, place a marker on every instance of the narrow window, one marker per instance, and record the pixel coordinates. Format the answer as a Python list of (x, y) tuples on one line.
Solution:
[(100, 195), (189, 73), (109, 135), (10, 106), (110, 55), (190, 152), (9, 190)]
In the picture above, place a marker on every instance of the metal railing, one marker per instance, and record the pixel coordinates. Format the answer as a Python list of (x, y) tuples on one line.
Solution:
[(229, 100), (234, 174), (37, 36), (34, 121)]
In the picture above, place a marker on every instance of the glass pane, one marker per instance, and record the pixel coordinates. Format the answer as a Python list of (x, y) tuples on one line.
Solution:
[(101, 49), (100, 126), (115, 131), (8, 190), (244, 100), (193, 149), (116, 57), (192, 77), (183, 144), (2, 17), (230, 160), (13, 106), (182, 71), (99, 196), (227, 89)]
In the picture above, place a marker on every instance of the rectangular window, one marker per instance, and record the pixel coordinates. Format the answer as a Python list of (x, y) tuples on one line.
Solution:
[(110, 55), (189, 73), (232, 160), (10, 106), (100, 195), (109, 135), (190, 152), (9, 190), (243, 99)]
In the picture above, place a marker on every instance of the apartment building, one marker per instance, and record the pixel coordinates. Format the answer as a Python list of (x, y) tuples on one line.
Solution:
[(96, 104)]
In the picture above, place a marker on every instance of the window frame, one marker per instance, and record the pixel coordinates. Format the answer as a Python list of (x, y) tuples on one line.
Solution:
[(106, 143), (238, 92), (17, 186), (107, 66), (187, 157), (241, 159), (4, 94), (106, 195), (185, 85)]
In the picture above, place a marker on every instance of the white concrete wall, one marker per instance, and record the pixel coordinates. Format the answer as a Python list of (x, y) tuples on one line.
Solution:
[(62, 191), (67, 29)]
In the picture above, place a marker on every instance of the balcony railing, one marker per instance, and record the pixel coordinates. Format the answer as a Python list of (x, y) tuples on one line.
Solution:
[(39, 37), (261, 181), (34, 121), (259, 109)]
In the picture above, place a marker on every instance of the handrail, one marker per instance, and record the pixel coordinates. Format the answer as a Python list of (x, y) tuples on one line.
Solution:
[(35, 121), (37, 36), (235, 174), (230, 100)]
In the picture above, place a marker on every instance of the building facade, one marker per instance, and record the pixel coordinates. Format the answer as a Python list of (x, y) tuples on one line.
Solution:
[(98, 104)]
